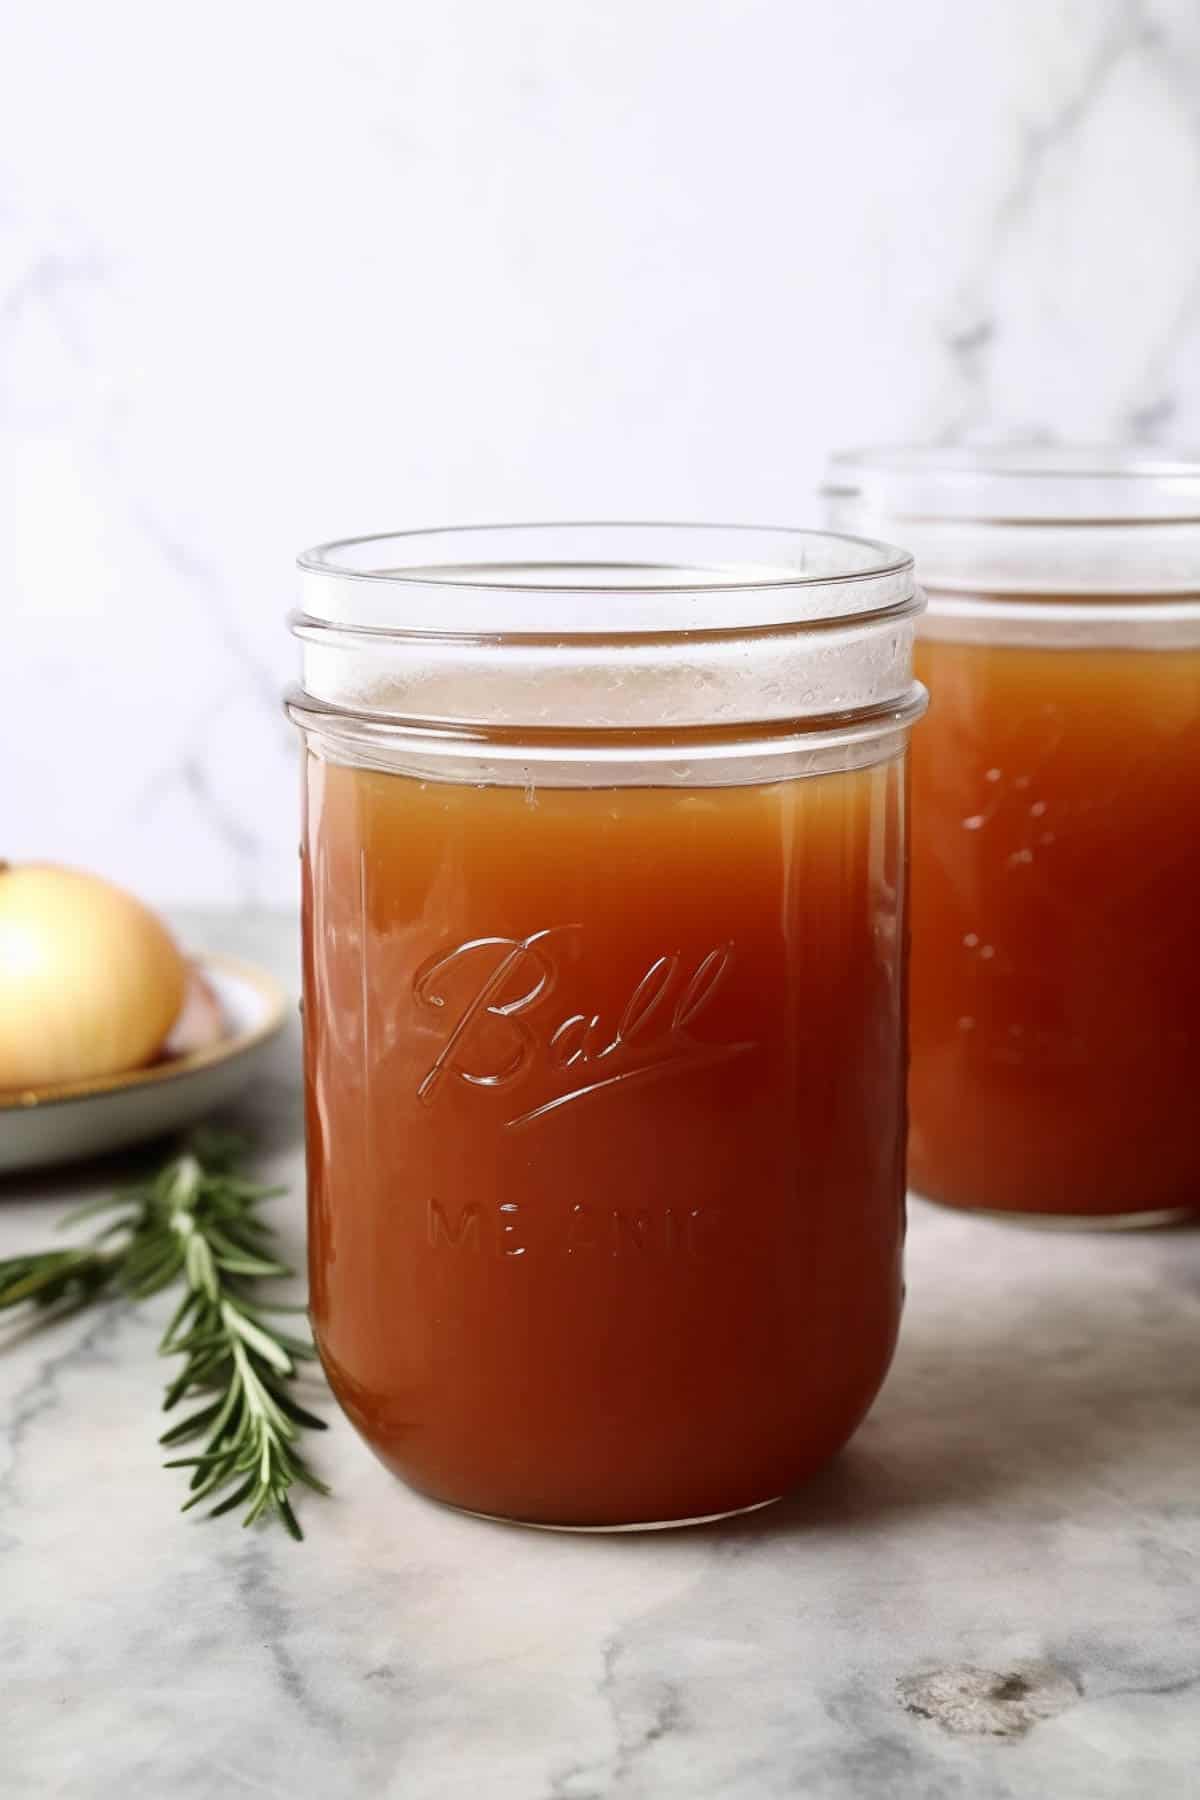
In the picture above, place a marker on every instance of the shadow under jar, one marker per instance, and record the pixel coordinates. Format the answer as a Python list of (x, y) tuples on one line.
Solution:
[(1056, 825), (604, 964)]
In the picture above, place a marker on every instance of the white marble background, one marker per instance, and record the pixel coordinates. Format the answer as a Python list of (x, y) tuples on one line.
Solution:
[(279, 270)]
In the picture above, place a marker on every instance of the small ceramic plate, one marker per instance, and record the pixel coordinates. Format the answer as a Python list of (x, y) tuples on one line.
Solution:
[(88, 1118)]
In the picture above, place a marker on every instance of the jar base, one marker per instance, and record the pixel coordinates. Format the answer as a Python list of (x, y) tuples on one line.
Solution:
[(1154, 1219), (733, 1512)]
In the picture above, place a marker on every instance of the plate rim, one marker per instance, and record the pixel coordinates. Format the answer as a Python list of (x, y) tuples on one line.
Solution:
[(272, 992)]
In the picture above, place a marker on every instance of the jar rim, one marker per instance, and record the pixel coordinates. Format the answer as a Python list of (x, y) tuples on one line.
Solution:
[(577, 578), (1020, 483), (695, 625)]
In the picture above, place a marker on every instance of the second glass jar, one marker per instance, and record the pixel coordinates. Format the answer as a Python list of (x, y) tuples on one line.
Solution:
[(1056, 824)]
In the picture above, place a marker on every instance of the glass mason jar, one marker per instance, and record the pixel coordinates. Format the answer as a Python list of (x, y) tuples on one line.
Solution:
[(1056, 825), (604, 958)]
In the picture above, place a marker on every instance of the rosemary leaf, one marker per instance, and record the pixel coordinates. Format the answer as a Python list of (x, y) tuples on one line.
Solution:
[(196, 1223)]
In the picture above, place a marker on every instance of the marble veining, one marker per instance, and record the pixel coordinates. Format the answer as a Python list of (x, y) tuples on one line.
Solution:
[(1055, 151), (994, 1594), (473, 264)]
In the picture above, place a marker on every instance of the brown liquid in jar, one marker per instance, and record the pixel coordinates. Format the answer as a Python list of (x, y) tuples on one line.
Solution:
[(605, 1132), (1056, 930)]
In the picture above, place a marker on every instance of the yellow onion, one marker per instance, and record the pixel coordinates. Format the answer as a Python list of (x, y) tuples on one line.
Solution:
[(90, 981)]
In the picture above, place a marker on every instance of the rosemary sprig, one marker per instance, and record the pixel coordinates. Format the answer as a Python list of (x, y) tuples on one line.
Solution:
[(195, 1223)]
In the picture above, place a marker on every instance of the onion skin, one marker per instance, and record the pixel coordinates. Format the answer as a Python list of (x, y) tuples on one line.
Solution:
[(90, 980), (200, 1024)]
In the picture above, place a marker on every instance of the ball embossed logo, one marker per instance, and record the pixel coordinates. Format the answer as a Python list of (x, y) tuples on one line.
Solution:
[(504, 1032)]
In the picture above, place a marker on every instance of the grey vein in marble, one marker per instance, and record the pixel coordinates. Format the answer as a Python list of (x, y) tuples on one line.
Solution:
[(974, 328)]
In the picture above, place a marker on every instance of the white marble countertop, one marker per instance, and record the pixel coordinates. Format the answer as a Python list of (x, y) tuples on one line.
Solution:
[(994, 1593)]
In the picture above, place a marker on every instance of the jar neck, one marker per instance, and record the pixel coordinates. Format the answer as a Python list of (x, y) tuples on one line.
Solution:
[(1031, 522), (688, 757), (1049, 559), (607, 652), (706, 681), (1063, 621)]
